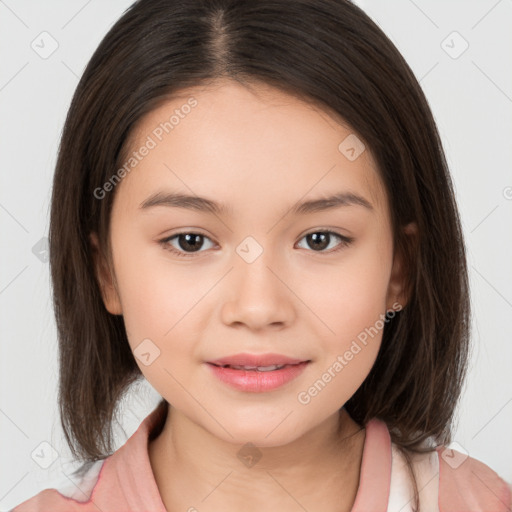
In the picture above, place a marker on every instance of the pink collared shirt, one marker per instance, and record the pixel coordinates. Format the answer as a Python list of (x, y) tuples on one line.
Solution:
[(448, 481)]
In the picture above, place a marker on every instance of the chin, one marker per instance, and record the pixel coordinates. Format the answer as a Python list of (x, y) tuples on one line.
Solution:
[(263, 434)]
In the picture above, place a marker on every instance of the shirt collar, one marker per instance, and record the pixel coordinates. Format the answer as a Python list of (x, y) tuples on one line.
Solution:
[(127, 476)]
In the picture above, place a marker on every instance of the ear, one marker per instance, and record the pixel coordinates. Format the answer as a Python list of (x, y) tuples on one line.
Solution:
[(105, 280), (397, 291)]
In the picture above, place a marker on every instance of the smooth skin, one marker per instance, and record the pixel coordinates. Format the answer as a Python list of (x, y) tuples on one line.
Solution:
[(259, 151)]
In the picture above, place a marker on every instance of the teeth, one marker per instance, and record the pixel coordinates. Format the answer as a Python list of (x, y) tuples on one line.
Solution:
[(258, 368)]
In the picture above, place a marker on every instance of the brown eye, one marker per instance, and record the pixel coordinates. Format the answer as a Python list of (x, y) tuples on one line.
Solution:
[(320, 240), (190, 241), (187, 243)]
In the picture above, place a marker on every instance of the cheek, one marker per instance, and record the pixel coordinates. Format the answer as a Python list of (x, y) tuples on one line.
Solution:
[(350, 296), (350, 301), (161, 302), (158, 297), (351, 306)]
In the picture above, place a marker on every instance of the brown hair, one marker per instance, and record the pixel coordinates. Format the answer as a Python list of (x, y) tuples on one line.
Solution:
[(324, 51)]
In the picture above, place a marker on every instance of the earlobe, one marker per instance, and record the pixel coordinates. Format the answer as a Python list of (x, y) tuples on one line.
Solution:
[(104, 279), (397, 288)]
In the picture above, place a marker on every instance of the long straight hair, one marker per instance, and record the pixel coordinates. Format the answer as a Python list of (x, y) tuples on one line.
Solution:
[(327, 52)]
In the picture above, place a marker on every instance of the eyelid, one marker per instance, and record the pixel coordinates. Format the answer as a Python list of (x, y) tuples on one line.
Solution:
[(325, 229)]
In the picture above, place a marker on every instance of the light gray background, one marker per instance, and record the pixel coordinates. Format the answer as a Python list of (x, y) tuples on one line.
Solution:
[(471, 98)]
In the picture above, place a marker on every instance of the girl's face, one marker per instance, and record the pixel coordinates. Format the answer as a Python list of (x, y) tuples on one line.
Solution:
[(258, 273)]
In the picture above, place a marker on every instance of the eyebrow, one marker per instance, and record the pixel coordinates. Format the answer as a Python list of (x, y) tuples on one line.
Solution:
[(202, 204)]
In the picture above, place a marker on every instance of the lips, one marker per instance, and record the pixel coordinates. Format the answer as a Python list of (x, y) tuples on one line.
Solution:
[(257, 375), (255, 368), (261, 362)]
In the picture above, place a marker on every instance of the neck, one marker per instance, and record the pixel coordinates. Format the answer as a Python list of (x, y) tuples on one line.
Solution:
[(192, 467)]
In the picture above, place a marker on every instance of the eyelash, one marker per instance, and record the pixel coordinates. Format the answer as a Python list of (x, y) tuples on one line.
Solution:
[(345, 242)]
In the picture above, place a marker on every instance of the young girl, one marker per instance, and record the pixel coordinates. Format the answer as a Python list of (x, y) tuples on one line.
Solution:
[(252, 210)]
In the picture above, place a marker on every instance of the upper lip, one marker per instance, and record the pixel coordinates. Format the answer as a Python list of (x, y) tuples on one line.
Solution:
[(256, 360)]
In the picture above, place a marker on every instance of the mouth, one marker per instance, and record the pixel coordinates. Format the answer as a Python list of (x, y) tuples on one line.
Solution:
[(263, 362), (269, 368), (259, 377)]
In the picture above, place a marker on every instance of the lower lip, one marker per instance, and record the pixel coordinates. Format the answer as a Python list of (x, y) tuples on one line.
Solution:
[(254, 381)]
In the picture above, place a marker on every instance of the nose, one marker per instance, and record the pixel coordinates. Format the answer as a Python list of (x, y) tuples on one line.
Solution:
[(257, 295)]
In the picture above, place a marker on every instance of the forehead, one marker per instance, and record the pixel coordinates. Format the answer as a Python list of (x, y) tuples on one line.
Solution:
[(240, 144)]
